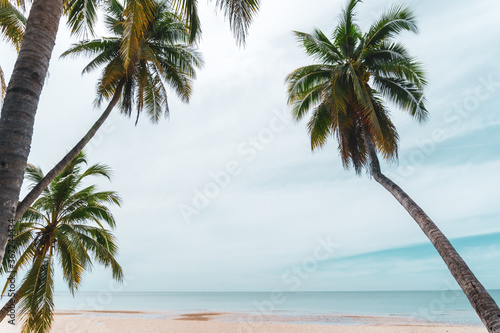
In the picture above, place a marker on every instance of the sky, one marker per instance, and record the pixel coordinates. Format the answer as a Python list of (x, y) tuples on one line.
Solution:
[(226, 195)]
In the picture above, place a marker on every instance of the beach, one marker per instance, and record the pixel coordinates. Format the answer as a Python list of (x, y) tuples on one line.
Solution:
[(253, 312), (135, 321)]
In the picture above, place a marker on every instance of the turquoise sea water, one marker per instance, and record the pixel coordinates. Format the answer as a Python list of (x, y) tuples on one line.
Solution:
[(448, 306)]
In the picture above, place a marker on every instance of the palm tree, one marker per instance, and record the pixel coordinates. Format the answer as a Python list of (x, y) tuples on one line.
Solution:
[(159, 58), (345, 91), (27, 79), (12, 24), (65, 224)]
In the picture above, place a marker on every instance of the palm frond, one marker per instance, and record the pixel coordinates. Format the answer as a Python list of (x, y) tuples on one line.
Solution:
[(155, 98), (82, 16), (404, 68), (188, 11), (304, 87), (96, 170), (111, 76), (24, 255), (114, 17), (318, 46), (33, 216), (104, 50), (138, 15), (36, 307), (320, 125), (405, 94), (385, 52), (240, 14), (351, 147), (12, 24), (90, 213), (102, 244), (399, 18), (347, 33), (33, 173), (73, 256), (179, 81), (386, 140)]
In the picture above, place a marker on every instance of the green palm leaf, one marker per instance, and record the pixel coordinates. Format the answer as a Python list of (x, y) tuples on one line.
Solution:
[(12, 24), (347, 32), (36, 305), (397, 19), (188, 11), (405, 94), (319, 46), (240, 14), (82, 16)]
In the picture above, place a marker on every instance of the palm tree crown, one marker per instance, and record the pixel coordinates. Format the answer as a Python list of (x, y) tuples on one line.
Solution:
[(65, 223), (83, 14), (356, 71), (142, 64)]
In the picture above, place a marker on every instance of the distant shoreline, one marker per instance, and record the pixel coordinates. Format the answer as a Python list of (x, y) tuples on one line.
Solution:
[(446, 307)]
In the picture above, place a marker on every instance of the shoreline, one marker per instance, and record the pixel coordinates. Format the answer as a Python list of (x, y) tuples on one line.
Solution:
[(109, 321)]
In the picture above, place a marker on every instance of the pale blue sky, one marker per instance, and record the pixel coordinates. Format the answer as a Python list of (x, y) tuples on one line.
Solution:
[(269, 217)]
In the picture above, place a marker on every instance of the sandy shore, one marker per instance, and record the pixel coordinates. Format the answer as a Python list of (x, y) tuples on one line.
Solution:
[(132, 321)]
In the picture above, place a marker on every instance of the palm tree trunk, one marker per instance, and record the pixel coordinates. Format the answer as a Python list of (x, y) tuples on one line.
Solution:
[(12, 302), (20, 105), (480, 299), (56, 170)]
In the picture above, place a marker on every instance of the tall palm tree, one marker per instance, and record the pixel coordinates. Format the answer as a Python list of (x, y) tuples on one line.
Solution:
[(66, 224), (160, 58), (345, 91), (27, 79), (12, 24)]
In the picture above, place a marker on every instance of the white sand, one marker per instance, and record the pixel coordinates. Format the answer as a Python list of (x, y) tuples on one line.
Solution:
[(93, 322)]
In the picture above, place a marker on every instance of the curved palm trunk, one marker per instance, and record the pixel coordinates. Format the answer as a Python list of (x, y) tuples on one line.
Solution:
[(480, 299), (20, 105), (59, 167)]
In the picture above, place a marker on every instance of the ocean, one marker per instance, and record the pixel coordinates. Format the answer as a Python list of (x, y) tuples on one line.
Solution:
[(449, 306)]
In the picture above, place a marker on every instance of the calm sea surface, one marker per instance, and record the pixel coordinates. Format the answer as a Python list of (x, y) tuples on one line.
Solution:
[(442, 306)]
